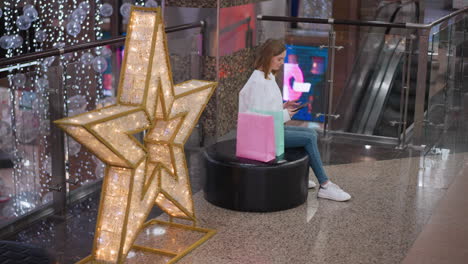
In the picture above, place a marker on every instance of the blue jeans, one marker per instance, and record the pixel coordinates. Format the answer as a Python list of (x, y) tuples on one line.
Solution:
[(307, 138)]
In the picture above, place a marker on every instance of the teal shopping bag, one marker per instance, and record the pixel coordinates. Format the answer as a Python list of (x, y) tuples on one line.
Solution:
[(279, 129)]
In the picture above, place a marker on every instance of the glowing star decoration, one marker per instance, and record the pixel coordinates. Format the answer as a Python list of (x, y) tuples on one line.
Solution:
[(139, 175)]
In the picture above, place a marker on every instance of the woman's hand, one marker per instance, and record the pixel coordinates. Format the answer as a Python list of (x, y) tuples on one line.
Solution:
[(291, 104), (292, 111)]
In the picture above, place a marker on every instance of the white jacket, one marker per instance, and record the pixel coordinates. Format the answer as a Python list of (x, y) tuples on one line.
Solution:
[(262, 94)]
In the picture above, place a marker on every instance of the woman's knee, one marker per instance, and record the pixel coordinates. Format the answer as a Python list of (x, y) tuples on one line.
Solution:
[(311, 133), (311, 137), (307, 134)]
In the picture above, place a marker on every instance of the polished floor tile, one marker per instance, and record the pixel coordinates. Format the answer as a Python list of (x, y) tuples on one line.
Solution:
[(388, 210), (445, 237), (394, 195)]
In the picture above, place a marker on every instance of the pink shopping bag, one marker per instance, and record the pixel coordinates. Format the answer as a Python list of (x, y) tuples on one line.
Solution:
[(256, 137)]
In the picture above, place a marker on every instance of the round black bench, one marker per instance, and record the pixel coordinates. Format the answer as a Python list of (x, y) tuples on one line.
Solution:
[(247, 185)]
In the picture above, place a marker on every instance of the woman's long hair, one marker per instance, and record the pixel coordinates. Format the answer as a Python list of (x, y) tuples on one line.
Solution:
[(269, 49)]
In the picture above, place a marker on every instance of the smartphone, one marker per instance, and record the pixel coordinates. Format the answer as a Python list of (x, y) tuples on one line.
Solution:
[(301, 106)]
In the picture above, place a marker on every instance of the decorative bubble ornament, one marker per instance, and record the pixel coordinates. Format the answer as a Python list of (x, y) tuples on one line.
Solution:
[(78, 15), (106, 10), (125, 10), (85, 6), (23, 22), (86, 58), (6, 42), (103, 51), (99, 64), (106, 52), (40, 35), (27, 6), (3, 42), (73, 28), (140, 175), (17, 41), (151, 3), (31, 12)]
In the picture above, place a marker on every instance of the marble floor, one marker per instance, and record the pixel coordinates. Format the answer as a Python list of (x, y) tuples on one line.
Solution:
[(407, 204), (395, 194), (444, 239), (392, 202)]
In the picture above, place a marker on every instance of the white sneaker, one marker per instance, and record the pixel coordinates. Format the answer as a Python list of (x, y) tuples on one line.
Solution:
[(333, 192), (312, 184)]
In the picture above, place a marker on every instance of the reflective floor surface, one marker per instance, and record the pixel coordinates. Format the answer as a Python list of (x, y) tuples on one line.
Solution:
[(396, 195)]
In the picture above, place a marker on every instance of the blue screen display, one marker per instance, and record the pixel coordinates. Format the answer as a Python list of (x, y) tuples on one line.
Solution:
[(305, 80)]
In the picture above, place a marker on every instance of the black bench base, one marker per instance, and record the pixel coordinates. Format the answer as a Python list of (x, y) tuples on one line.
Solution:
[(246, 185)]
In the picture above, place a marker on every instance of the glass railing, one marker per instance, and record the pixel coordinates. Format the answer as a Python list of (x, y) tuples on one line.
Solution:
[(374, 79), (445, 89), (26, 141), (41, 167), (367, 66)]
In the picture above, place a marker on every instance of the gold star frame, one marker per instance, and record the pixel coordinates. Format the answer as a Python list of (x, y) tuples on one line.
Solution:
[(139, 175)]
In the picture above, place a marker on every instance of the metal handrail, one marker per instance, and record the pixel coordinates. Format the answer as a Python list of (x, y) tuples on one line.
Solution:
[(59, 51), (447, 17), (333, 21), (235, 25)]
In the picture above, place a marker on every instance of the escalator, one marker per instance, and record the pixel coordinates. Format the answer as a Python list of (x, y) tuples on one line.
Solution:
[(372, 94)]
